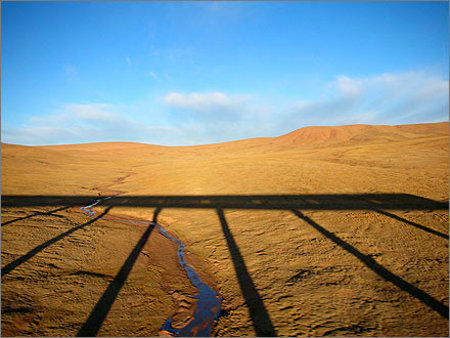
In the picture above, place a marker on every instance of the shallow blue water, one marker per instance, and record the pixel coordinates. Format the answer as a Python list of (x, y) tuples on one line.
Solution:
[(208, 305), (209, 301)]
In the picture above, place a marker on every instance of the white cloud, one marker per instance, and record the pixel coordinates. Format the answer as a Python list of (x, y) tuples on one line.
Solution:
[(211, 102), (390, 98), (71, 72), (207, 117), (217, 116), (93, 112), (348, 86), (128, 61), (153, 75), (198, 101), (90, 112), (93, 122)]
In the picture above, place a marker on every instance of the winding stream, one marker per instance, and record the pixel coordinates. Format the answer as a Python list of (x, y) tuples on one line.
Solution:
[(209, 302)]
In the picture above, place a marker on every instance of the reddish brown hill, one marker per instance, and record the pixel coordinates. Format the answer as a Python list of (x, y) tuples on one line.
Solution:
[(322, 136)]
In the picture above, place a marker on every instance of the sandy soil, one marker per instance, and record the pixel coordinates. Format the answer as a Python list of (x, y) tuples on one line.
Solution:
[(284, 271)]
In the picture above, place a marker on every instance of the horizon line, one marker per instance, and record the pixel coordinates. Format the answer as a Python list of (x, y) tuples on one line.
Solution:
[(222, 142)]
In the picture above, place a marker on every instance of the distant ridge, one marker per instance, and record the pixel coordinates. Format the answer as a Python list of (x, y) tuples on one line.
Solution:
[(316, 136)]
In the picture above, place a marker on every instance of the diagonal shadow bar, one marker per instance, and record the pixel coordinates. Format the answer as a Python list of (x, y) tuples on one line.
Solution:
[(95, 320), (48, 213), (155, 215), (14, 264), (422, 227), (258, 313), (379, 269)]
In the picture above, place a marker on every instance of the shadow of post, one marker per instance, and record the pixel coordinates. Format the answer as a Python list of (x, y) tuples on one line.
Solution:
[(379, 269), (95, 320), (258, 313), (419, 226), (14, 264), (155, 215)]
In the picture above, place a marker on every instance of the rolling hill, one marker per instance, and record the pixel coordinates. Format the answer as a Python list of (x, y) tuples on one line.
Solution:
[(315, 271)]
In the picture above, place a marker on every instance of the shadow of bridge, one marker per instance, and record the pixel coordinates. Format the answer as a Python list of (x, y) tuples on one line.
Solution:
[(293, 203)]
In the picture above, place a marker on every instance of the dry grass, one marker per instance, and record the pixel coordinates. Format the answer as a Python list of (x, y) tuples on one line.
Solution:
[(308, 281)]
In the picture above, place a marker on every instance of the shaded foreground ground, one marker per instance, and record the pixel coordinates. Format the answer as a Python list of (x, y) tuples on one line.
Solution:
[(370, 260)]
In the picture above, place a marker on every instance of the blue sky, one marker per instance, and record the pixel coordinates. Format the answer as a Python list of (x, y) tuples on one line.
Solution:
[(182, 73)]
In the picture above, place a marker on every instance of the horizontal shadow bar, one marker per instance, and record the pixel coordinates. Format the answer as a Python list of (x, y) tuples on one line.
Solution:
[(379, 269), (304, 202), (419, 226), (14, 264)]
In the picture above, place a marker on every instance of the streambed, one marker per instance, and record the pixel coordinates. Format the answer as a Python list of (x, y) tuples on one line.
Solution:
[(208, 305)]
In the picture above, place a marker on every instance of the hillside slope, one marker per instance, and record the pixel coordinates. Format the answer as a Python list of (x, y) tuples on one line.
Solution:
[(315, 272)]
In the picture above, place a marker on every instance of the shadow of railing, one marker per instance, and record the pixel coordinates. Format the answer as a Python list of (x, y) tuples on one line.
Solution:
[(47, 213), (101, 309), (261, 321), (379, 269), (287, 202), (258, 313), (14, 264), (419, 226)]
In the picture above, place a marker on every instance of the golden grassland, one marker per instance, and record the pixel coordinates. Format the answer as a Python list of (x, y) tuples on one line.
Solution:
[(286, 272)]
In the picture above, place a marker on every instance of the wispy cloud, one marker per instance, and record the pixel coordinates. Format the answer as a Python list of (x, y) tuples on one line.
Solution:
[(217, 116), (92, 112), (99, 112), (207, 117), (199, 101), (207, 103), (348, 86), (153, 75), (128, 61), (412, 97), (92, 122), (71, 72)]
